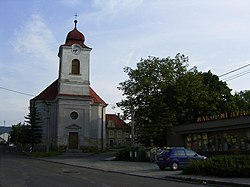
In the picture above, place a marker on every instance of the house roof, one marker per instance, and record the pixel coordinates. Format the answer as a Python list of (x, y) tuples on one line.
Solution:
[(119, 123), (4, 129), (51, 92)]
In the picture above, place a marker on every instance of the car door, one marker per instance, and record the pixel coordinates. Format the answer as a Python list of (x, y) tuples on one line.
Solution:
[(182, 157), (191, 154)]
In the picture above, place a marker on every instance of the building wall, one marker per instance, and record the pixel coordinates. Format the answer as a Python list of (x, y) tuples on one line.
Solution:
[(232, 134), (117, 137), (73, 84), (98, 130), (66, 124), (5, 136), (47, 113)]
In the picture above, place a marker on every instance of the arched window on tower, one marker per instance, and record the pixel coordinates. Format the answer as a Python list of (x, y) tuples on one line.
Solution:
[(75, 69)]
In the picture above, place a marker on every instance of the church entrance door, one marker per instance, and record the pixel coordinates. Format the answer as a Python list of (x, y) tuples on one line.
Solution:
[(73, 140)]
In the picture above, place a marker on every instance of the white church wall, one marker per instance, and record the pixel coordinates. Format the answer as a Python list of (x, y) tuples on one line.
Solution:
[(66, 124), (98, 130), (74, 84)]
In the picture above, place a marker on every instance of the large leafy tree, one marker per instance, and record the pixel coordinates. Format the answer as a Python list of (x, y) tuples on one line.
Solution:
[(161, 93), (19, 134), (242, 99), (219, 95), (150, 92)]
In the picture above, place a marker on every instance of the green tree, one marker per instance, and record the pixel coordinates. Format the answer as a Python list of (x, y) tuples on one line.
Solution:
[(161, 93), (200, 94), (19, 134), (150, 92), (219, 95), (242, 99), (35, 130)]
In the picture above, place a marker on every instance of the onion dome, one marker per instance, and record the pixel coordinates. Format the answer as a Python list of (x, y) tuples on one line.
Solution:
[(75, 37)]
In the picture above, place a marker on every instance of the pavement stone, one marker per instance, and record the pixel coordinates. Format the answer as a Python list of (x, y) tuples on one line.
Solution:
[(144, 169)]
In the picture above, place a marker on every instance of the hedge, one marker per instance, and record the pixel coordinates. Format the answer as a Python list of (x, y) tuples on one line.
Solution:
[(222, 166)]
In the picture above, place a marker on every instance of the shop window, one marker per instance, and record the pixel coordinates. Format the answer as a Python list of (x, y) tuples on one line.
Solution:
[(197, 142), (231, 141)]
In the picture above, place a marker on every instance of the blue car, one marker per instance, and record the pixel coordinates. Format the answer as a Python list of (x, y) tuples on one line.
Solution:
[(176, 157)]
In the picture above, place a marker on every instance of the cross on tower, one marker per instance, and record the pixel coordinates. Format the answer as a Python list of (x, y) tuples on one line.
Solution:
[(76, 16), (75, 21)]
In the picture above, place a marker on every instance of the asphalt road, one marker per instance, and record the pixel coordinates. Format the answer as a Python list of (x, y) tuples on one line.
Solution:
[(20, 171)]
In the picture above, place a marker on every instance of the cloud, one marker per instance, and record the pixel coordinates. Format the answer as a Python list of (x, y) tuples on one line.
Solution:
[(115, 6), (71, 3), (35, 39)]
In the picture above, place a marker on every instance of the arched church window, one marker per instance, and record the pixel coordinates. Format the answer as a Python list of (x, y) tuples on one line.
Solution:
[(75, 69)]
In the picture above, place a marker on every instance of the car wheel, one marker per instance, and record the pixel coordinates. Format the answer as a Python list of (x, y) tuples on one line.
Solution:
[(161, 167), (174, 166)]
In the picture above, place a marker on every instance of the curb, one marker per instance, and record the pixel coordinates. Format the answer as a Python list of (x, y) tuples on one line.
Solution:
[(207, 181), (168, 177)]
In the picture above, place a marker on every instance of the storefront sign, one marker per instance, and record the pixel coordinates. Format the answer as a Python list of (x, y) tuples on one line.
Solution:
[(224, 115)]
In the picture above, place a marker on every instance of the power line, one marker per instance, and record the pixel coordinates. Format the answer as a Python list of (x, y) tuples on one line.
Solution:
[(16, 91), (237, 75), (234, 70)]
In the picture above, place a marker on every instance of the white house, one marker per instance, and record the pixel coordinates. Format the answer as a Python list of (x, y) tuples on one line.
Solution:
[(4, 134)]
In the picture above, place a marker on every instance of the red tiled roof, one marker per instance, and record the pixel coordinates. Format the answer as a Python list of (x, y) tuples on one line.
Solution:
[(51, 92), (119, 123), (96, 98)]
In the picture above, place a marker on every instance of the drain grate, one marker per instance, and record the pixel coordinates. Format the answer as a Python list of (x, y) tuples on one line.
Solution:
[(69, 171)]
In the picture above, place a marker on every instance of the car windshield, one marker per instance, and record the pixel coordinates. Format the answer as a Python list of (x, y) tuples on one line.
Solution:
[(190, 152)]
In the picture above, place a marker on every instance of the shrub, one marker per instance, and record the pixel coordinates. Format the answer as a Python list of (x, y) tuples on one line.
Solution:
[(223, 166), (123, 154)]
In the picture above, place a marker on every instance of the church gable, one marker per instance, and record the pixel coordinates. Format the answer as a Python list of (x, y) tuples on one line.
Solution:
[(51, 92), (73, 126)]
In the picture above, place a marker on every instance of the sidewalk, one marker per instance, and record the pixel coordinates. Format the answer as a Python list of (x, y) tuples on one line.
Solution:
[(144, 169)]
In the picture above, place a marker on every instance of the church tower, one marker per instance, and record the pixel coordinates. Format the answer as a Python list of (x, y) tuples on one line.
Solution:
[(73, 115), (74, 65)]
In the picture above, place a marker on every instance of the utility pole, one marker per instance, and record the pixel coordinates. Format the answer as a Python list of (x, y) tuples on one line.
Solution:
[(4, 123), (132, 128)]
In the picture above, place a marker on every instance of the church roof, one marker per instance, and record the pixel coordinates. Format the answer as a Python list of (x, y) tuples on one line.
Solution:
[(75, 37), (51, 92), (119, 123)]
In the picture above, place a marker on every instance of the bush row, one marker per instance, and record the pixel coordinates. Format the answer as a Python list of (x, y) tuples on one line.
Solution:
[(223, 166)]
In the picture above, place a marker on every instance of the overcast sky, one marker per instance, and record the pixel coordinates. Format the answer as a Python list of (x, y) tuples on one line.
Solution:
[(214, 35)]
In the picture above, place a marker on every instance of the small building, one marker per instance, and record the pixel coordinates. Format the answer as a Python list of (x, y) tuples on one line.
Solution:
[(213, 135), (4, 134), (117, 131)]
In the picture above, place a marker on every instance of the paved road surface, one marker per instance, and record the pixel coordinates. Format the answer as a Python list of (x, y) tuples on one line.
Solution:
[(19, 171)]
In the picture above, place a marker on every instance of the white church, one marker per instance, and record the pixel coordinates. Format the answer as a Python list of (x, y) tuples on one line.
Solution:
[(72, 115)]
